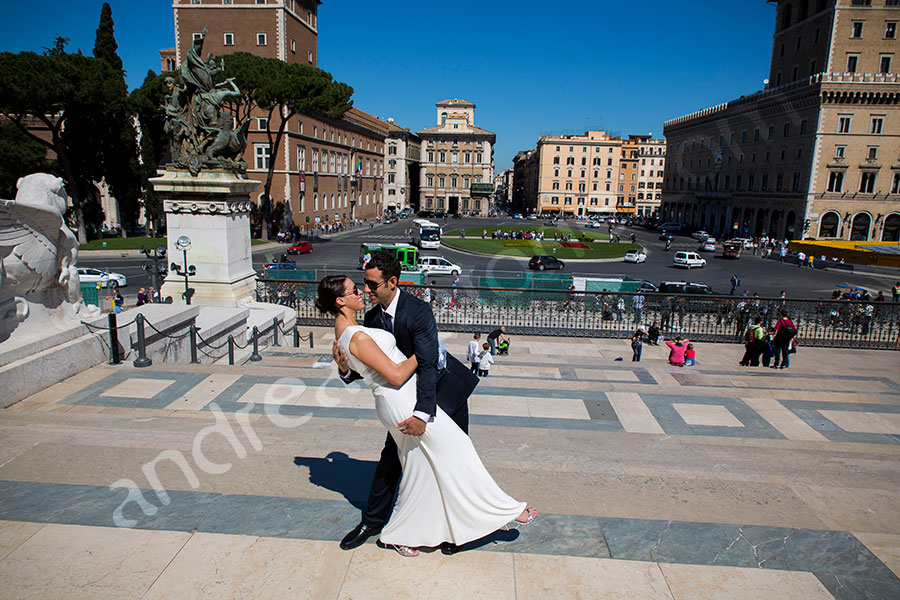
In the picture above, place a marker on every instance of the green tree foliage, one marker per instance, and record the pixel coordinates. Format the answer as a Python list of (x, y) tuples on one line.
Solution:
[(120, 152), (282, 91), (60, 101), (19, 156), (146, 103)]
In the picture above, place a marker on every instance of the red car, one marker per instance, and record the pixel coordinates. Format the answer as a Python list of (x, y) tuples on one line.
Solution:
[(300, 248)]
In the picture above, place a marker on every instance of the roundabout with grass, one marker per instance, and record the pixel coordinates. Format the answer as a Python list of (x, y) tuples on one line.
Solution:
[(570, 243)]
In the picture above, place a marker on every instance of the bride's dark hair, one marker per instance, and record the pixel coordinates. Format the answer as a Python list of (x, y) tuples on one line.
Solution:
[(330, 289)]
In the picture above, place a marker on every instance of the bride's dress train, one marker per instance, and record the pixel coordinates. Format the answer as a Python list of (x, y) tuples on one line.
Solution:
[(446, 494)]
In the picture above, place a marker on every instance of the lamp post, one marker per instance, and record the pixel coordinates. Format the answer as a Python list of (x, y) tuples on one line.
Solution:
[(156, 255), (185, 270)]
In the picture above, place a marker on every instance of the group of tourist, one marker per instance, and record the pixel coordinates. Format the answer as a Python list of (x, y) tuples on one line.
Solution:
[(764, 344), (481, 355)]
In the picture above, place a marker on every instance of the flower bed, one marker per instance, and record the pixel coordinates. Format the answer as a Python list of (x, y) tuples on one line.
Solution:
[(574, 245)]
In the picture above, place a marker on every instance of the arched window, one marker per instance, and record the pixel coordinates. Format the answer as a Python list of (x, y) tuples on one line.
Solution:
[(859, 230), (891, 231), (828, 225), (443, 118)]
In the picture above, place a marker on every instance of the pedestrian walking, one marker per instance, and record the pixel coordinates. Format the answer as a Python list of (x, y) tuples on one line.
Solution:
[(735, 282), (895, 292)]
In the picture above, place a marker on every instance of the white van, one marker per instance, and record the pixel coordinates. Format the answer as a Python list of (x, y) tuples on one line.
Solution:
[(438, 265), (689, 260)]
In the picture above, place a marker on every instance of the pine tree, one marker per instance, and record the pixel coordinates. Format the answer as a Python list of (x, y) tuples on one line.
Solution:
[(105, 46), (120, 147)]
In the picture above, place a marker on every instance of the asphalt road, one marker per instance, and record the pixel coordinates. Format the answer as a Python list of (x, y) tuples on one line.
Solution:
[(766, 277)]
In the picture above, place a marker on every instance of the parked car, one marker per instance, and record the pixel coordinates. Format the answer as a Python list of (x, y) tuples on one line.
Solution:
[(438, 265), (684, 287), (700, 235), (689, 260), (635, 256), (300, 248), (646, 286), (542, 262), (104, 278), (670, 227), (517, 216), (708, 245)]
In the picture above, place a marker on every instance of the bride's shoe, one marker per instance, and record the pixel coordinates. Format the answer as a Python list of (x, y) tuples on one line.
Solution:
[(528, 515), (404, 550)]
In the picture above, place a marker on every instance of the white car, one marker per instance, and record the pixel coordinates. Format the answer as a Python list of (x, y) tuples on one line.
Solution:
[(689, 260), (592, 225), (532, 217), (104, 278), (708, 245), (700, 235), (635, 256), (438, 265), (747, 243)]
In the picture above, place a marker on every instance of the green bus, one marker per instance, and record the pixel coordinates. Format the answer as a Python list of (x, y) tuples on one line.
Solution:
[(406, 254)]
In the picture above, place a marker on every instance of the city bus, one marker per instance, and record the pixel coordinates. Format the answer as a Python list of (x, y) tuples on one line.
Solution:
[(426, 234), (406, 254)]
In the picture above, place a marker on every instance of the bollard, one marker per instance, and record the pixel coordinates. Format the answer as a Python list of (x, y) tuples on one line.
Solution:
[(230, 349), (194, 360), (255, 357), (310, 339), (275, 332), (113, 340), (141, 360), (296, 337)]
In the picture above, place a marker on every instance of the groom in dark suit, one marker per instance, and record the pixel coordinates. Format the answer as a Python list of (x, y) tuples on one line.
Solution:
[(446, 385)]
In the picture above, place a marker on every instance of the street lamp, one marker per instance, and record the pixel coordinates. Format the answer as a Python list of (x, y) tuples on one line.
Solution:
[(156, 272), (183, 243)]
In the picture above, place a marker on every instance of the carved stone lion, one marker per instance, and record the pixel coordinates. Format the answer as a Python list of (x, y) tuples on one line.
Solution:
[(39, 285)]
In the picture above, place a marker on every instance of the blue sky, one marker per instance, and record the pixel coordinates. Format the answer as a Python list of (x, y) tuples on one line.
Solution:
[(532, 68)]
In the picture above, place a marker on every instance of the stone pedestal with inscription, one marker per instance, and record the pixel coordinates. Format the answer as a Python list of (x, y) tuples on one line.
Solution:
[(212, 209)]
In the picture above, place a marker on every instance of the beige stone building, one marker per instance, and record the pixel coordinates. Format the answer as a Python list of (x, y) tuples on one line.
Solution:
[(575, 175), (817, 153), (327, 171), (457, 167), (649, 167), (402, 154)]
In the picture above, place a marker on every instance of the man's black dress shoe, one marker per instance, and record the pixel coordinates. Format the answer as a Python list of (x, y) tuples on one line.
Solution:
[(358, 536), (449, 549)]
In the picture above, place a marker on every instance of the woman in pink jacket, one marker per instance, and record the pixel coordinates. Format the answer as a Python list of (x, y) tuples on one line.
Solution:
[(676, 351)]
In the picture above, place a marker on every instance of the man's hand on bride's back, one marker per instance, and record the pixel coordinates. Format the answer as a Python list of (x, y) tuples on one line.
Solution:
[(340, 357), (412, 426)]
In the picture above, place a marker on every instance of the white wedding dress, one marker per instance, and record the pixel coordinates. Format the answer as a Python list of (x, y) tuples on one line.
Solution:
[(446, 494)]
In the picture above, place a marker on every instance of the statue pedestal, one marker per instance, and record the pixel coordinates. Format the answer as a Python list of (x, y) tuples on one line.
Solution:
[(213, 210)]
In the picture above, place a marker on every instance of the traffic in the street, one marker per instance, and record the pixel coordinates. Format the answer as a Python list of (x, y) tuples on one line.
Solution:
[(341, 252)]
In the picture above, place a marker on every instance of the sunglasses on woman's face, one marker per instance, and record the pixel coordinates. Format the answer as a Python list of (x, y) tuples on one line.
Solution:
[(355, 291)]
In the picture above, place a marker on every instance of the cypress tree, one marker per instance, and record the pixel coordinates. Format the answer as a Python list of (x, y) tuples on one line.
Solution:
[(105, 46)]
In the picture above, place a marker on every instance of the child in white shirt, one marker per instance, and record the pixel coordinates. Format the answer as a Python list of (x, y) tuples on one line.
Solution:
[(484, 365), (473, 354)]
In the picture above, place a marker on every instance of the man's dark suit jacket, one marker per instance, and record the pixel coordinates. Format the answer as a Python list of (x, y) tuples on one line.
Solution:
[(416, 333)]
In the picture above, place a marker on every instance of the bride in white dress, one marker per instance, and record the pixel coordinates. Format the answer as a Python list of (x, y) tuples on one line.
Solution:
[(445, 494)]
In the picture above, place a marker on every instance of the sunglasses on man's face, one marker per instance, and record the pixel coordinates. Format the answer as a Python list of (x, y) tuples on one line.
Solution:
[(373, 285)]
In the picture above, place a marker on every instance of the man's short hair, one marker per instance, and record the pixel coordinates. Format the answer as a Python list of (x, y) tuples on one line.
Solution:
[(386, 262)]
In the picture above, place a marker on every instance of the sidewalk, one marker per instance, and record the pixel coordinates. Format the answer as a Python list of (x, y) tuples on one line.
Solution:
[(652, 481)]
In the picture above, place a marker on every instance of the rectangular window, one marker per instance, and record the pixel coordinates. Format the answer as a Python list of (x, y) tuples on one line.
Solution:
[(262, 153), (261, 39), (867, 183), (803, 127), (844, 125), (872, 153), (885, 64), (478, 157), (262, 123), (771, 133), (756, 134), (228, 39), (839, 151), (865, 3), (787, 129), (795, 183), (293, 46), (779, 182), (895, 184), (877, 123), (744, 136), (454, 157), (301, 158), (812, 68), (856, 29), (890, 30), (852, 62)]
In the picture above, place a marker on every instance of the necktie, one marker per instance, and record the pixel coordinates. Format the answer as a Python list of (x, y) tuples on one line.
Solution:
[(387, 322)]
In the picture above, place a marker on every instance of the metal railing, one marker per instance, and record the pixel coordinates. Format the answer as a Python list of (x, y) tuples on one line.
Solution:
[(824, 323)]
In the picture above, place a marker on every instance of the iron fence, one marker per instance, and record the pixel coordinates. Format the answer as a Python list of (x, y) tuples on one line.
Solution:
[(825, 323)]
